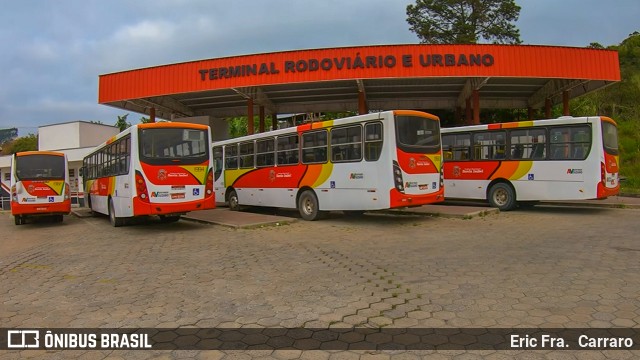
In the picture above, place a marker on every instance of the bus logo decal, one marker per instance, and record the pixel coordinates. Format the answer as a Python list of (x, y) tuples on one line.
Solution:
[(196, 192), (272, 175), (356, 176), (574, 171), (456, 171), (162, 174), (412, 163)]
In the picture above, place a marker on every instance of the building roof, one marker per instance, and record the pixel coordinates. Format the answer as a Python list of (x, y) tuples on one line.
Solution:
[(390, 76)]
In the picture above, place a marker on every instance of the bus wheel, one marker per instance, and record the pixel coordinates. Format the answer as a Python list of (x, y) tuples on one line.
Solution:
[(502, 196), (308, 206), (113, 219), (234, 204), (19, 219), (58, 218)]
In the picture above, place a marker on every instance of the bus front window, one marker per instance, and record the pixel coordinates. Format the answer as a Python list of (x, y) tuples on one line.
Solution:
[(417, 134), (163, 146)]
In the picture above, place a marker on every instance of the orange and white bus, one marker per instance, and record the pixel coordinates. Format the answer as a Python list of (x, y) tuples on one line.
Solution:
[(528, 161), (375, 161), (39, 185), (162, 169)]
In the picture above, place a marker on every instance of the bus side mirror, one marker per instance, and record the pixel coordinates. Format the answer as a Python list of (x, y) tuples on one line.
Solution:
[(81, 172)]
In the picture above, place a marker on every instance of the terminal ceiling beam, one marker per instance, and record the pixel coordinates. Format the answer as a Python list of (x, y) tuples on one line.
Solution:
[(470, 85), (553, 89), (258, 96), (170, 103)]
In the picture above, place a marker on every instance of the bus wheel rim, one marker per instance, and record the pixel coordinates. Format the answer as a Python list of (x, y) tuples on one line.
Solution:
[(233, 201), (308, 206), (500, 197)]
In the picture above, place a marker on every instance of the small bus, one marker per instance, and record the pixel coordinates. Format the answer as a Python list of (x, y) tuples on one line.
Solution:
[(39, 185), (162, 169), (521, 163), (376, 161)]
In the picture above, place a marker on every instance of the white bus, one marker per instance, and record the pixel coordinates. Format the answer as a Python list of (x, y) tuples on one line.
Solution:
[(368, 162), (162, 169), (524, 162), (39, 185)]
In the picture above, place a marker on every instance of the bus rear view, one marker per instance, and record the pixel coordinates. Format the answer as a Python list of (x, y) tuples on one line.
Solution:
[(39, 185)]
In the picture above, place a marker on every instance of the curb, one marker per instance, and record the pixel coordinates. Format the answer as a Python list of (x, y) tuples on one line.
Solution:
[(468, 215), (618, 205), (238, 226)]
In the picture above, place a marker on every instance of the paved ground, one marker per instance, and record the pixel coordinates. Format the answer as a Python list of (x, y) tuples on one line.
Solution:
[(543, 267)]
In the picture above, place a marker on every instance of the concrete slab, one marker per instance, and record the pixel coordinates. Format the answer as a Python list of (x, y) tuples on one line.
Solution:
[(237, 219), (448, 211)]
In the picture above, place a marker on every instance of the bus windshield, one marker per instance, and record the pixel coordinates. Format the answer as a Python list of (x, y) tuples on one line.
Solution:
[(166, 146), (417, 134), (610, 138), (40, 167)]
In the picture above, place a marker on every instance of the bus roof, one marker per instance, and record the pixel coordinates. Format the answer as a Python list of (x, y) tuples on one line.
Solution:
[(516, 124), (30, 153), (321, 125)]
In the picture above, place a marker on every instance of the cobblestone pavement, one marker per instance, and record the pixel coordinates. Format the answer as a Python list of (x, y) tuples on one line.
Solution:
[(547, 267)]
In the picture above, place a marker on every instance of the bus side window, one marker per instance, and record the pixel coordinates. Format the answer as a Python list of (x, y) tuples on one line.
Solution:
[(217, 162)]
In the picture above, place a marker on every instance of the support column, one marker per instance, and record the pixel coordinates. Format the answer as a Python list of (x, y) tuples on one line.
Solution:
[(565, 103), (152, 115), (261, 124), (274, 121), (529, 113), (547, 108), (457, 115), (362, 103), (476, 106), (250, 116), (467, 111)]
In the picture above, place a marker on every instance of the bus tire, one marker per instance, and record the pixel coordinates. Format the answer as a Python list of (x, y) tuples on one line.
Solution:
[(113, 219), (308, 206), (232, 198), (502, 196), (19, 219), (58, 218)]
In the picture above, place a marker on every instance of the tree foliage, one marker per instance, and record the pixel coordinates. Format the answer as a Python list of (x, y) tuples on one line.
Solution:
[(464, 21), (122, 122), (239, 126), (24, 143), (620, 102)]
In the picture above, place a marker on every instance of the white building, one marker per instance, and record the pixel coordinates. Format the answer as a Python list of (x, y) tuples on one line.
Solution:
[(76, 139)]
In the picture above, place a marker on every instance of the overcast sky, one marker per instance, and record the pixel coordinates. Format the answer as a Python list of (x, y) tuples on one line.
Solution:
[(51, 52)]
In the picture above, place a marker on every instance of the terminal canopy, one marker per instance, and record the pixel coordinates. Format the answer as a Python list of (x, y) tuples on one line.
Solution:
[(362, 78)]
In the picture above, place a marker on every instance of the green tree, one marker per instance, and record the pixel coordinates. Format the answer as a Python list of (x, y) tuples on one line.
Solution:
[(24, 143), (122, 122), (144, 120), (464, 21), (238, 126)]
